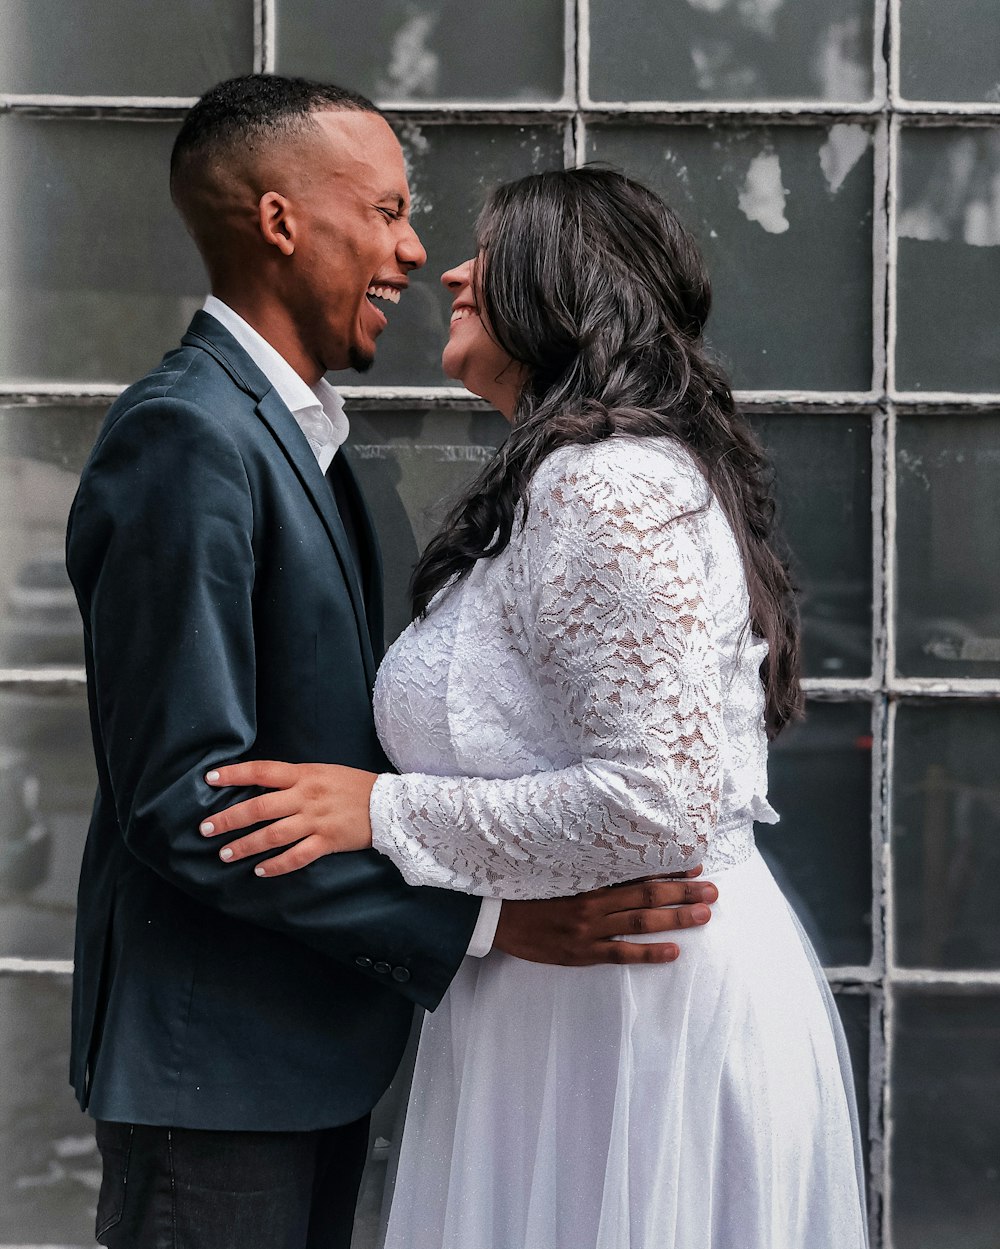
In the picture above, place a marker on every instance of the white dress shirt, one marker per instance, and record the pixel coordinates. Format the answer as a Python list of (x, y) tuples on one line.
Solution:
[(319, 412)]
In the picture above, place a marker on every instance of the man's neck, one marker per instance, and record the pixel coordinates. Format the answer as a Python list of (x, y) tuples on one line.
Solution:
[(275, 326)]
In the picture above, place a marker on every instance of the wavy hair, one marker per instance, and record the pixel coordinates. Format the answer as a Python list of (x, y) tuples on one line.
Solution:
[(588, 279)]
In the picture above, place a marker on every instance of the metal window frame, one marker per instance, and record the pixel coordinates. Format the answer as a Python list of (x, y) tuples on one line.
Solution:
[(888, 114)]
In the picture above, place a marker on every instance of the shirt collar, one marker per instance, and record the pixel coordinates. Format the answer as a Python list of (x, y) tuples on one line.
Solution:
[(318, 410)]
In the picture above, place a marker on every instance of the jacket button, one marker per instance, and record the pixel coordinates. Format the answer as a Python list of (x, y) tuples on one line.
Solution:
[(363, 962), (383, 969), (400, 974)]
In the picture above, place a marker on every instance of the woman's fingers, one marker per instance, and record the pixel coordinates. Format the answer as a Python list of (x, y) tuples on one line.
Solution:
[(270, 837), (301, 855), (267, 773), (273, 806)]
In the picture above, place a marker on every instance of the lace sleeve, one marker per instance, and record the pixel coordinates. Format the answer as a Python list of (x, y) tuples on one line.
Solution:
[(621, 645)]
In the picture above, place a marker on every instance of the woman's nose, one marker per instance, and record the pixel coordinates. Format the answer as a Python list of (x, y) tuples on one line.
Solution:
[(461, 275)]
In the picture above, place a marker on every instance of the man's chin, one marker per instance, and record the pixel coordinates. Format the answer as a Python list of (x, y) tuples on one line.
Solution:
[(361, 361)]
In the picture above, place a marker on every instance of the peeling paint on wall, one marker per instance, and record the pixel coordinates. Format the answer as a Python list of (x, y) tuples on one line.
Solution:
[(844, 147), (762, 197)]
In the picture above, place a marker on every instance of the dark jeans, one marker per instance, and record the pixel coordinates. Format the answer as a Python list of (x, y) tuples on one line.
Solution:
[(177, 1188)]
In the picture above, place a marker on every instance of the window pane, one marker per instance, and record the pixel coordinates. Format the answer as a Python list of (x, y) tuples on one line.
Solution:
[(411, 465), (47, 785), (784, 216), (820, 853), (946, 1135), (97, 275), (50, 1170), (118, 47), (823, 466), (949, 51), (716, 50), (949, 259), (41, 453), (46, 760), (427, 49), (948, 595), (946, 835), (451, 169)]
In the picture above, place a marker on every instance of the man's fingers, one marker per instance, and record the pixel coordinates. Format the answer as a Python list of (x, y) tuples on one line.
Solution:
[(657, 919), (267, 773), (264, 807), (646, 894), (626, 952)]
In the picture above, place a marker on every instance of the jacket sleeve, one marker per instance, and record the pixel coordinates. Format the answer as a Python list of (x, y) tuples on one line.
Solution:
[(621, 645), (162, 552)]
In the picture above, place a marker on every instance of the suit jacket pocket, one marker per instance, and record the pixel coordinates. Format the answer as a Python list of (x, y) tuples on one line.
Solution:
[(114, 1140)]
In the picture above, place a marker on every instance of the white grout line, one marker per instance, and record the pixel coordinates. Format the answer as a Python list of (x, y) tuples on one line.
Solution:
[(890, 553), (36, 966), (932, 110), (892, 255), (268, 36), (59, 102), (880, 580), (938, 398), (880, 267), (887, 908), (570, 80), (935, 978), (579, 141), (880, 83), (852, 977), (894, 56), (877, 1085), (258, 36), (27, 677), (582, 53)]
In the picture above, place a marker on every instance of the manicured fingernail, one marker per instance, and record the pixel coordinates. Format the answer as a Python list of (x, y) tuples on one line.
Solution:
[(207, 828), (701, 914), (259, 871), (211, 776), (225, 855)]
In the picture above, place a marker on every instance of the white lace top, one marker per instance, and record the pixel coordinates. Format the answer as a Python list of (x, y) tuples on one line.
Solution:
[(586, 707)]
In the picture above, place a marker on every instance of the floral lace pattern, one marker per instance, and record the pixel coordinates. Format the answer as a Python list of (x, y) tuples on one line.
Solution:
[(586, 707)]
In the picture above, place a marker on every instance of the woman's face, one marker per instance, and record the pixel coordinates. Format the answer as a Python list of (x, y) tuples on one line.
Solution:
[(471, 355)]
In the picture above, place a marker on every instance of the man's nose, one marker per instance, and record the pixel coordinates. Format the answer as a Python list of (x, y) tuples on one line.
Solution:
[(410, 251)]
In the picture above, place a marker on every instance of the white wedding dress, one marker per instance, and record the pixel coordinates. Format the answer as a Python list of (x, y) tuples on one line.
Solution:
[(583, 709)]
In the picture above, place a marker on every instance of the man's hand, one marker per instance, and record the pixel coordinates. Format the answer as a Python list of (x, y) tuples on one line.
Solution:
[(580, 931)]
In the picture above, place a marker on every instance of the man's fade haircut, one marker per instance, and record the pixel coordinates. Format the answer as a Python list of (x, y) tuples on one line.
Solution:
[(249, 112)]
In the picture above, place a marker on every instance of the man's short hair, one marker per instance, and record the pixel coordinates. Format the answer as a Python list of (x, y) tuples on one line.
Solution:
[(250, 111)]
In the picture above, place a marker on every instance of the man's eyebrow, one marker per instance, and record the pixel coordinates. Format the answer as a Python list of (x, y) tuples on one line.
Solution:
[(395, 196)]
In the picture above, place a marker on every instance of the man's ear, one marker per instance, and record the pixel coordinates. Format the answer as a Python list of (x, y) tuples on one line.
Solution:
[(276, 220)]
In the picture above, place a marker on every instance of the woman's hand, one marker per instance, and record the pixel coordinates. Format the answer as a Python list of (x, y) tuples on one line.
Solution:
[(316, 808)]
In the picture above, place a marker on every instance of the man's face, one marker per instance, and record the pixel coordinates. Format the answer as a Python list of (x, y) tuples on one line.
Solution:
[(355, 246)]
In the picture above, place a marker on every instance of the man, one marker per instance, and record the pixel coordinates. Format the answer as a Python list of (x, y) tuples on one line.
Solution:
[(230, 1035)]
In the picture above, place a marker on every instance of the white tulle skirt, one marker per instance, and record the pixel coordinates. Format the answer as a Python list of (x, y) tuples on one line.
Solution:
[(704, 1104)]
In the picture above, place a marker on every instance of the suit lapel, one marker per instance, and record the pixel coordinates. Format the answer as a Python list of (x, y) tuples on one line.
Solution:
[(207, 333), (293, 442), (371, 554)]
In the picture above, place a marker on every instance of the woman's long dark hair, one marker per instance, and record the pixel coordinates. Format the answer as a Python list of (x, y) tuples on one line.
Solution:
[(589, 280)]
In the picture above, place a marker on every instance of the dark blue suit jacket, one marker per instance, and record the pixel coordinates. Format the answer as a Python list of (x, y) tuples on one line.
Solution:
[(223, 620)]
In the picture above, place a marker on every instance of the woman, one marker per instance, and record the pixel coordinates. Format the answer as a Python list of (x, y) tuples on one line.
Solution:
[(602, 632)]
